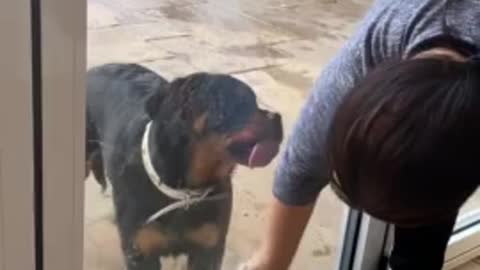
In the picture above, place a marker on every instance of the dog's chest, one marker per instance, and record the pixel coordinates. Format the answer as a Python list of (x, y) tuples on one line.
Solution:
[(191, 231), (179, 262)]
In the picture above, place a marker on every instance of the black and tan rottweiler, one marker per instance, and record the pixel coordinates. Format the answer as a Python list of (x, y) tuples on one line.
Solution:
[(186, 136)]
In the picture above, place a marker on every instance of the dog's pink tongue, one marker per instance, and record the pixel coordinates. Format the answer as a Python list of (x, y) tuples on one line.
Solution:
[(263, 153)]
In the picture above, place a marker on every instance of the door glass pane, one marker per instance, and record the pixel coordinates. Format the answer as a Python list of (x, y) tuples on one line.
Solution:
[(276, 47)]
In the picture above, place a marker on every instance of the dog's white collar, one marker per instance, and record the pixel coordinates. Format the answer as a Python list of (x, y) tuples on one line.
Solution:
[(185, 197), (177, 194)]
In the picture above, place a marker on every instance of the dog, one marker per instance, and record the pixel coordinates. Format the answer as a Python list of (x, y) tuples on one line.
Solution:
[(169, 150)]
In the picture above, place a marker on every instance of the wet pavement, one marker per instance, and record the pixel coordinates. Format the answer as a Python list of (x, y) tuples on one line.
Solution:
[(278, 47)]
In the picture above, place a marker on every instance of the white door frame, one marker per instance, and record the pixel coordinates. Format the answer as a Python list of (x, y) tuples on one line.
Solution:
[(63, 24), (368, 239), (17, 230), (63, 53), (464, 244), (375, 240)]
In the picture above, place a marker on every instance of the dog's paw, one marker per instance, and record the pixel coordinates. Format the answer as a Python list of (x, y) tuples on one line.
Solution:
[(134, 256)]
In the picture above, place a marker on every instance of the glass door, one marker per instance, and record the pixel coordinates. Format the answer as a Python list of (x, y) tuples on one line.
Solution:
[(269, 45), (265, 44)]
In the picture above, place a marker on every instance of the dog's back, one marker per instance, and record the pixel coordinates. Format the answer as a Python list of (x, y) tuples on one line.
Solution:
[(115, 97), (119, 89)]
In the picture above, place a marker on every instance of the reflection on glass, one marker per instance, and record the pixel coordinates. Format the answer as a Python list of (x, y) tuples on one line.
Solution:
[(277, 49)]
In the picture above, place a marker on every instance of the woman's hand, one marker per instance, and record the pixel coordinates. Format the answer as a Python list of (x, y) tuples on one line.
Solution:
[(257, 262), (285, 229)]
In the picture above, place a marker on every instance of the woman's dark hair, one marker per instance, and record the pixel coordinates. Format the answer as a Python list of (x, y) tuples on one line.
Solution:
[(405, 142)]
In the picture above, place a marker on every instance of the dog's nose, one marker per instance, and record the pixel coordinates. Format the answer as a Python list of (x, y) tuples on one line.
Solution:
[(273, 116)]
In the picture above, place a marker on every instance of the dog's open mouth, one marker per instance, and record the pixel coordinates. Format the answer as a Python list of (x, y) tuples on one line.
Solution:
[(252, 152)]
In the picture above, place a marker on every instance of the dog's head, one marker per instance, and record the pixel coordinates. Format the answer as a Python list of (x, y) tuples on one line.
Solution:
[(205, 124)]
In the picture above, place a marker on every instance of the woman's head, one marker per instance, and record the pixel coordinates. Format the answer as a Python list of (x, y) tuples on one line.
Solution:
[(405, 142)]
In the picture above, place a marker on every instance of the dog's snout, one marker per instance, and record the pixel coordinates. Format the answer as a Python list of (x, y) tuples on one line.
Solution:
[(276, 128), (277, 118)]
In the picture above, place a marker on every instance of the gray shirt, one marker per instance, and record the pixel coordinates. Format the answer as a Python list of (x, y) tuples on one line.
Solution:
[(391, 30)]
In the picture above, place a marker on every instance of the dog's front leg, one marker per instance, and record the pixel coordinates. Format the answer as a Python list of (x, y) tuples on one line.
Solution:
[(150, 263), (212, 238), (210, 259), (135, 260), (145, 248)]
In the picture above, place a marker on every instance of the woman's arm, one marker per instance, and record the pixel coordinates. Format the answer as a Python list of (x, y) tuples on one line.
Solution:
[(303, 169)]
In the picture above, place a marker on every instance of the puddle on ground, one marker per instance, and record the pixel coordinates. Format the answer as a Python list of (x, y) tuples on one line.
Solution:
[(257, 50), (179, 13)]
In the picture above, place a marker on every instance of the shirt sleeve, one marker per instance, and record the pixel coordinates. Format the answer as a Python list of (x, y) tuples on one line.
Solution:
[(384, 33), (303, 170)]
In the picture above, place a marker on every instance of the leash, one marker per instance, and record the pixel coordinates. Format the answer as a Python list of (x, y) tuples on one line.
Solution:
[(184, 204), (185, 198)]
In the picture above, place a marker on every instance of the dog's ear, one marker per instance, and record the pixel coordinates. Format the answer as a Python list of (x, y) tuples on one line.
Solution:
[(155, 100), (153, 103)]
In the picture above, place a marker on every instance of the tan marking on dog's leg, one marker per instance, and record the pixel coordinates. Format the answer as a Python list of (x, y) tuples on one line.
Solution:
[(149, 240), (207, 235)]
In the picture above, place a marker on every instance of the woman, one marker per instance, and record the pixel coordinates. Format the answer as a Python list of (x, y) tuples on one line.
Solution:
[(392, 124)]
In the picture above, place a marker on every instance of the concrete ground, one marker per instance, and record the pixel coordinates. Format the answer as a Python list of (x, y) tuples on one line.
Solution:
[(276, 46)]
